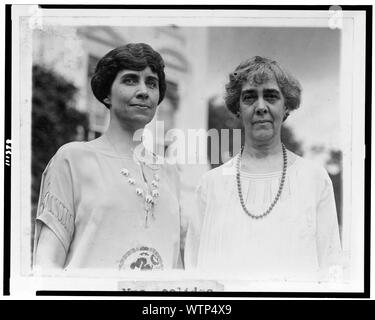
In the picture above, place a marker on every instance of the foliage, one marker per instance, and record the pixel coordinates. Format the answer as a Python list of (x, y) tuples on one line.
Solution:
[(54, 120)]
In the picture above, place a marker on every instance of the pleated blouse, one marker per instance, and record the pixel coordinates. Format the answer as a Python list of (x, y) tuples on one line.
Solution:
[(298, 240)]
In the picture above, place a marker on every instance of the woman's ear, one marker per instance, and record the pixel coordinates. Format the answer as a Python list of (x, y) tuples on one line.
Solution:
[(107, 100), (286, 114), (238, 113)]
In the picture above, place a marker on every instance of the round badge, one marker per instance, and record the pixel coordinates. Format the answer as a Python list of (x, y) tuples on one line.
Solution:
[(141, 258)]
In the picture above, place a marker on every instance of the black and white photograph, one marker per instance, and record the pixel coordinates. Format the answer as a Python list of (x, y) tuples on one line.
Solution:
[(188, 150)]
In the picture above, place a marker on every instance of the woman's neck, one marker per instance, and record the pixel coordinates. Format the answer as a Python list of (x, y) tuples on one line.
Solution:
[(122, 140), (262, 158), (262, 150)]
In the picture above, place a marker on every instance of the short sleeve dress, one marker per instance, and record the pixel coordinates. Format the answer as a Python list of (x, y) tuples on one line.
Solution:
[(99, 217)]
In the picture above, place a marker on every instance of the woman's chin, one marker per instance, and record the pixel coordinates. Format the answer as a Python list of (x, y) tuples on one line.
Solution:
[(141, 121), (263, 136), (141, 118)]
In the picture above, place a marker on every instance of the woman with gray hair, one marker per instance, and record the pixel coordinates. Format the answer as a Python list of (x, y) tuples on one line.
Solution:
[(267, 213), (102, 204)]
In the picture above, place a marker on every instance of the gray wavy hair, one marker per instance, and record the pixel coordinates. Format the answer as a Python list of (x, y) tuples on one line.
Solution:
[(258, 70)]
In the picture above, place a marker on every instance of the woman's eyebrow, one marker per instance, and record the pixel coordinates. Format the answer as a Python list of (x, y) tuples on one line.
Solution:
[(248, 91), (130, 75), (272, 91), (152, 78)]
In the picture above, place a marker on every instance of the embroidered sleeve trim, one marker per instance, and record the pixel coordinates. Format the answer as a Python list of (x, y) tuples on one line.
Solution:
[(55, 209)]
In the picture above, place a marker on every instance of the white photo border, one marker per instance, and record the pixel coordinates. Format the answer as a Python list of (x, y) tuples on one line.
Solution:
[(353, 116)]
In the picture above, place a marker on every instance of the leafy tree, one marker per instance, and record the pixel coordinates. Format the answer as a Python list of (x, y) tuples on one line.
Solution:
[(55, 121)]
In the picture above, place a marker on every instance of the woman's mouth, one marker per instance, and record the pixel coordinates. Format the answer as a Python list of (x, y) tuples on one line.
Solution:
[(140, 105), (262, 121)]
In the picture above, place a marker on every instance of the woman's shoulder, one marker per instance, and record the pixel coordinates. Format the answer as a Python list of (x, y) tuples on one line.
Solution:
[(70, 149), (62, 159), (309, 163), (311, 168), (93, 146), (225, 170), (72, 153)]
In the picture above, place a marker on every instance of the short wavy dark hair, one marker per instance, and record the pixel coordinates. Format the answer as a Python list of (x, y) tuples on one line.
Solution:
[(133, 56), (259, 70)]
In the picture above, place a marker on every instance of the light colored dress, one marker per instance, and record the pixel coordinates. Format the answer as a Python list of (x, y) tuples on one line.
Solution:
[(299, 239), (99, 218)]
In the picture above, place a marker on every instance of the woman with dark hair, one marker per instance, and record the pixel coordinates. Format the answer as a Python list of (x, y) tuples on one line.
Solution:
[(267, 213), (102, 204)]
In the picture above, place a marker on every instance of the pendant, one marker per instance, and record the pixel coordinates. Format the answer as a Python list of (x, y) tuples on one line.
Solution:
[(146, 218), (148, 196), (148, 211), (149, 199), (154, 183)]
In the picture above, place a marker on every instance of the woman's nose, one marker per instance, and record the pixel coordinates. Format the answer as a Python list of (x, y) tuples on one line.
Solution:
[(142, 90), (261, 107)]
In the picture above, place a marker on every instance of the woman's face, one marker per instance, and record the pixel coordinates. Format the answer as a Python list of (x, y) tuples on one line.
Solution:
[(262, 109), (134, 96)]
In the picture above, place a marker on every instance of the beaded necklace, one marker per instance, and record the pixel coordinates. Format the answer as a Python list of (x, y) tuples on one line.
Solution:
[(148, 194), (238, 179)]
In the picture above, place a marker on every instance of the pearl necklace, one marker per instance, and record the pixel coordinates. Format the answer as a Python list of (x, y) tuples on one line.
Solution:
[(149, 195), (238, 179)]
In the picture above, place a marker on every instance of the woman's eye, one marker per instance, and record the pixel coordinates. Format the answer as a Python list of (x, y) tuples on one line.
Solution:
[(129, 81), (247, 98), (271, 98), (152, 84)]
